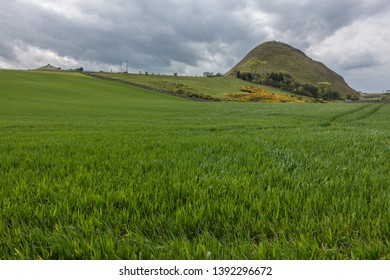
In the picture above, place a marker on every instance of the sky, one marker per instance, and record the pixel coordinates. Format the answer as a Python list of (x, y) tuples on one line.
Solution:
[(352, 37)]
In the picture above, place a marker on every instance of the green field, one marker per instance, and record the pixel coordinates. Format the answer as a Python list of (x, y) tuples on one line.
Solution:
[(92, 169), (215, 87)]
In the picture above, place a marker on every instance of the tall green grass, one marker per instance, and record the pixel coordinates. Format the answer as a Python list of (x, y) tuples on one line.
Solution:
[(92, 169)]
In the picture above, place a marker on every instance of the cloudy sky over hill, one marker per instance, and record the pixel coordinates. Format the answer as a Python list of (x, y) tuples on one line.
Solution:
[(191, 37)]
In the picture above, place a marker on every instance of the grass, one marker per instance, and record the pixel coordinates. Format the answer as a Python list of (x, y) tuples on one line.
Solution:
[(92, 169), (257, 94), (216, 87)]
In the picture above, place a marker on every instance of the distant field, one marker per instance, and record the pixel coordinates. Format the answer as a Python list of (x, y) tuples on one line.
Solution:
[(216, 87), (92, 169)]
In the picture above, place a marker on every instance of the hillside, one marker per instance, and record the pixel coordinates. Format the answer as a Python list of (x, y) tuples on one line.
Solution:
[(216, 88), (282, 58)]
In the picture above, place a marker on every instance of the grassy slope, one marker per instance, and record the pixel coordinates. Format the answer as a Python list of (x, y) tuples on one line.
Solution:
[(284, 58), (97, 170), (217, 87)]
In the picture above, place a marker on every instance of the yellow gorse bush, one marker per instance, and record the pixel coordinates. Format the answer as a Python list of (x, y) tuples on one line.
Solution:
[(256, 94)]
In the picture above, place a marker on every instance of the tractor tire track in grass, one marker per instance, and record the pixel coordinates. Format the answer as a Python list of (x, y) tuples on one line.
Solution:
[(371, 112), (354, 115)]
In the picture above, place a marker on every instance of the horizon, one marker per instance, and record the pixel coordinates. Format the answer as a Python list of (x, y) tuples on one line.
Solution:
[(143, 73)]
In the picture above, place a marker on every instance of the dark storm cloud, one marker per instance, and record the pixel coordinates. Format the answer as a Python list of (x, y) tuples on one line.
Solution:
[(172, 35), (153, 33), (180, 31)]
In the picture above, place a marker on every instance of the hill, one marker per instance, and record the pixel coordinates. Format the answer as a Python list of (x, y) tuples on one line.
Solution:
[(216, 88), (282, 58)]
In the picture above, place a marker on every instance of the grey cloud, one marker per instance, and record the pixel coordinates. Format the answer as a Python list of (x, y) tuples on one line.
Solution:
[(316, 20), (158, 33), (6, 50), (147, 33), (359, 60)]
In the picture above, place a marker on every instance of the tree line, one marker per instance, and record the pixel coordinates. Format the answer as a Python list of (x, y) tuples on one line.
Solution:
[(286, 82)]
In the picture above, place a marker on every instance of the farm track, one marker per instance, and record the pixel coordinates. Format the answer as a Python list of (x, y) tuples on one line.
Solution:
[(356, 114), (371, 112), (339, 116)]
